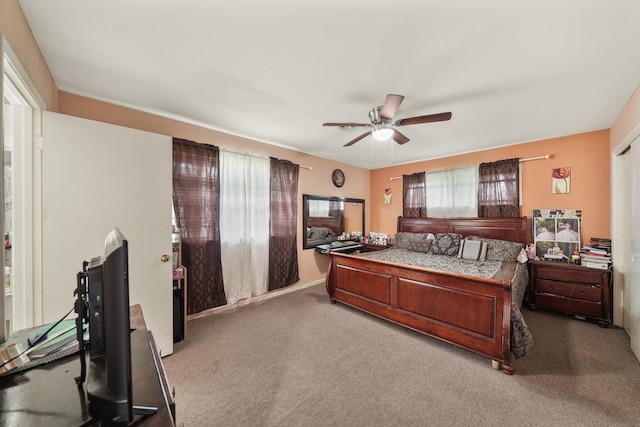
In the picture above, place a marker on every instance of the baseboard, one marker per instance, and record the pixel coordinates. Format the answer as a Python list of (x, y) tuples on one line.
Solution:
[(253, 300)]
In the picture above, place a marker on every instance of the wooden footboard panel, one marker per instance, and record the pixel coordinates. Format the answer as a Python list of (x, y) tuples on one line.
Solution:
[(472, 313)]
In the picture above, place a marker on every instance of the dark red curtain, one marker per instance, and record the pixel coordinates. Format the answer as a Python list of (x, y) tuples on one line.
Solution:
[(414, 201), (196, 203), (499, 189), (283, 239)]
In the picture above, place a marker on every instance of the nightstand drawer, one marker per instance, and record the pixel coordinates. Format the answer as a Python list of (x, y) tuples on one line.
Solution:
[(586, 308), (570, 290), (569, 275)]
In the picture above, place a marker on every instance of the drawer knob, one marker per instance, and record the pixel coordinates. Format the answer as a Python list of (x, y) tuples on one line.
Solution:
[(550, 287), (582, 293), (584, 277)]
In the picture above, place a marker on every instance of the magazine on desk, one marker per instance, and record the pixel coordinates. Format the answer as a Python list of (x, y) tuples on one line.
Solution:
[(61, 341)]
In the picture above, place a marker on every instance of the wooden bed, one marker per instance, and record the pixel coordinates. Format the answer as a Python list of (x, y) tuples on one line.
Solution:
[(470, 312)]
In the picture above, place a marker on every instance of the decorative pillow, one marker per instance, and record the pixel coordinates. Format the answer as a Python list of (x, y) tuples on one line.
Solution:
[(500, 250), (473, 249), (446, 244), (403, 239), (318, 233), (422, 245), (522, 256)]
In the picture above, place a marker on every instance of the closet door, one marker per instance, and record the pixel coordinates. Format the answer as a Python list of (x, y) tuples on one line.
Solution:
[(632, 284), (96, 177)]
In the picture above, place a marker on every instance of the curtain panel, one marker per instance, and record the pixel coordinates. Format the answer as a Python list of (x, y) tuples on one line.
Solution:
[(499, 189), (336, 208), (196, 204), (244, 225), (414, 202), (283, 236)]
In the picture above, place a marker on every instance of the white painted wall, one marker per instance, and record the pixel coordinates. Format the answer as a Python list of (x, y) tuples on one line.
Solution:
[(632, 286), (97, 176)]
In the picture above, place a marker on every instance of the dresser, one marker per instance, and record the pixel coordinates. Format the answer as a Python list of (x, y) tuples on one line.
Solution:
[(573, 289)]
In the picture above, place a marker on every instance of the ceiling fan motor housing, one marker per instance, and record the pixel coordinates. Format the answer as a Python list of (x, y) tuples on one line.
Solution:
[(374, 115)]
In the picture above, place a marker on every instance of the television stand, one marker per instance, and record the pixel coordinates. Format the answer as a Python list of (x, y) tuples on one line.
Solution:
[(41, 395), (144, 410)]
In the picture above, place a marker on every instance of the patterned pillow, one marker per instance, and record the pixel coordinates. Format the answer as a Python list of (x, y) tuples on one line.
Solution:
[(422, 245), (446, 244), (403, 239), (319, 233), (500, 250), (473, 249)]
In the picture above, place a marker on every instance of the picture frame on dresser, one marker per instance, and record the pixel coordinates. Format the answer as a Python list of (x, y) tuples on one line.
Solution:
[(556, 233)]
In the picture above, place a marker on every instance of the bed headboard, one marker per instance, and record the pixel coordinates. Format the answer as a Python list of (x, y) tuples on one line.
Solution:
[(513, 229), (332, 222)]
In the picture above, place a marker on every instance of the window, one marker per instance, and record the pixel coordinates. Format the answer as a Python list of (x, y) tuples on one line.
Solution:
[(452, 193)]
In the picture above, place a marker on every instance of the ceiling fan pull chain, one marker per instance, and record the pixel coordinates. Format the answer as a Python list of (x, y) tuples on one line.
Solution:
[(391, 142), (372, 139)]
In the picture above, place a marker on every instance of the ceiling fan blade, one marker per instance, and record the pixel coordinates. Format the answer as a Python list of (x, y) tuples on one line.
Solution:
[(391, 105), (353, 141), (347, 125), (399, 137), (440, 117)]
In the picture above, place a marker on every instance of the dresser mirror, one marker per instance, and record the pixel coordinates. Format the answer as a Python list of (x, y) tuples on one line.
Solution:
[(324, 218)]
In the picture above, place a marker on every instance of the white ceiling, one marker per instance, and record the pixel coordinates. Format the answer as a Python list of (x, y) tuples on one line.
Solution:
[(510, 71)]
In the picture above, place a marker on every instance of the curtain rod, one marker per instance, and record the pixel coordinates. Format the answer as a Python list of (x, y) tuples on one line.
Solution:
[(259, 157), (546, 156)]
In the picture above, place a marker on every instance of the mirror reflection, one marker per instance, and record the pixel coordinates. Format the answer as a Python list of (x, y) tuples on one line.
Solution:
[(326, 218)]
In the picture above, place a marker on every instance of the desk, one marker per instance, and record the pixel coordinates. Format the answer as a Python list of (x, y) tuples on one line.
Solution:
[(47, 395)]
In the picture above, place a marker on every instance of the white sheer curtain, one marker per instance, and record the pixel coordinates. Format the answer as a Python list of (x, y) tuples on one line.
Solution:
[(244, 225), (453, 192)]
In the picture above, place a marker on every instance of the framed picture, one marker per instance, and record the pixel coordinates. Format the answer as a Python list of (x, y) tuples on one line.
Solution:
[(561, 181), (556, 233), (387, 196)]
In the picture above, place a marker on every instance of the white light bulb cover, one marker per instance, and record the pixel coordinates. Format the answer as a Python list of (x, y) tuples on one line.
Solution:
[(382, 134)]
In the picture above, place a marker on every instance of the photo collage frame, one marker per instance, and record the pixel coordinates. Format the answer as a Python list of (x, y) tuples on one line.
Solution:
[(556, 233)]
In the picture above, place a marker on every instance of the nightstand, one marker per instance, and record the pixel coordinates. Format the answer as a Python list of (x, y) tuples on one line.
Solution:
[(573, 289)]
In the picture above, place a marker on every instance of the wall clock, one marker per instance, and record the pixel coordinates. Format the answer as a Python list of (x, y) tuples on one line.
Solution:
[(337, 176)]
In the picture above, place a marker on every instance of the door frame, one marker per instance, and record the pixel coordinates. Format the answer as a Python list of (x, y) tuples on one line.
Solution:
[(31, 177), (621, 245)]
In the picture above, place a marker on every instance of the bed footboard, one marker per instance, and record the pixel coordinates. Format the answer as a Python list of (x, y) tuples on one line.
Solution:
[(472, 313)]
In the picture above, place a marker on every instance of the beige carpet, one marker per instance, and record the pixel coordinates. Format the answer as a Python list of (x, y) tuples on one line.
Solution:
[(297, 360)]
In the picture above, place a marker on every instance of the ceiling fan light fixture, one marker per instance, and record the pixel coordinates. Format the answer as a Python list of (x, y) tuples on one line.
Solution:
[(382, 134)]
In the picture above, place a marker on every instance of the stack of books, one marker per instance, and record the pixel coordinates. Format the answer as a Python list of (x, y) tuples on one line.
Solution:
[(600, 243), (597, 254)]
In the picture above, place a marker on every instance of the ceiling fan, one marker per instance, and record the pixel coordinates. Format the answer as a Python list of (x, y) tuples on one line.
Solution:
[(381, 121)]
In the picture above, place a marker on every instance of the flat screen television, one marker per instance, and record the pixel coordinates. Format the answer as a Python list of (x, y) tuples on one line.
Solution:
[(109, 387)]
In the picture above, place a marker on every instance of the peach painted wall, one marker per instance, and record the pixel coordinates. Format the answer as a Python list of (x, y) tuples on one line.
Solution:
[(317, 181), (15, 29), (586, 154)]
